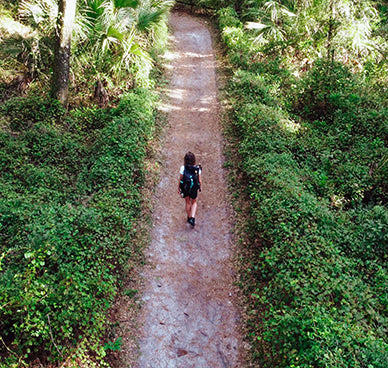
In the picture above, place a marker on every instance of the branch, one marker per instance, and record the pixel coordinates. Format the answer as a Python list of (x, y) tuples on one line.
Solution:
[(51, 335)]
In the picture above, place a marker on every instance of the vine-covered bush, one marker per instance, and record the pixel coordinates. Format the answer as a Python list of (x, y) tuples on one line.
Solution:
[(232, 34), (313, 156), (68, 206)]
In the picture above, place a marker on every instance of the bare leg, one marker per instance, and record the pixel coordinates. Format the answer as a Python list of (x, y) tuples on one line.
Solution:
[(191, 207), (188, 206)]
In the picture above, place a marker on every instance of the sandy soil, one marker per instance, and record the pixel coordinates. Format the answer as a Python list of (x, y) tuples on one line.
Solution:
[(190, 318)]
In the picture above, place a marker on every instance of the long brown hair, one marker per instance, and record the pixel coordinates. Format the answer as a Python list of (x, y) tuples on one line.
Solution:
[(189, 159)]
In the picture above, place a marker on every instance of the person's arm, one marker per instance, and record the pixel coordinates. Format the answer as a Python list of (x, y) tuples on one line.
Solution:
[(179, 183), (200, 182)]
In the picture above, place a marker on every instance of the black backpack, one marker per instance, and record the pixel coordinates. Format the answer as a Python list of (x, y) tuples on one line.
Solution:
[(190, 181)]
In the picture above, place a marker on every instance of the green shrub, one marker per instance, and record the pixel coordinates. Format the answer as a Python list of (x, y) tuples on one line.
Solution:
[(68, 208), (254, 87), (317, 272), (22, 113), (227, 17), (233, 35), (323, 90), (88, 119)]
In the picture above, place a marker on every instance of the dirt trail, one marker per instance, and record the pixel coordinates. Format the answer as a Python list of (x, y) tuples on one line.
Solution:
[(189, 318)]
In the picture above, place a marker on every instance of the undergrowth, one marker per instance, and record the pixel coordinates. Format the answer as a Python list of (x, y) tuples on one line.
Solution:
[(70, 196), (312, 162)]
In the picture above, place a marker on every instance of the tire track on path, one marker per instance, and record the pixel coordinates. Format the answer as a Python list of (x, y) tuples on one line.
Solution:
[(189, 318)]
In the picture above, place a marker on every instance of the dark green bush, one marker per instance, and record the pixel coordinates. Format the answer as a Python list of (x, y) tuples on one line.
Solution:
[(317, 270), (68, 207), (321, 88), (254, 86), (23, 112), (233, 35), (227, 17), (88, 119)]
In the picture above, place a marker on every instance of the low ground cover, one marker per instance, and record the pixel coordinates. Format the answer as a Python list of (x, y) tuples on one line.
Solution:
[(70, 198), (311, 154)]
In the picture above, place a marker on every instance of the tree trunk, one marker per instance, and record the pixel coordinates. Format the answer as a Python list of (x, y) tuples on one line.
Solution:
[(330, 35), (61, 67), (238, 6)]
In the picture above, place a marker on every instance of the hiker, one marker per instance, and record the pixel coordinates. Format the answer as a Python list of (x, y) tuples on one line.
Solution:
[(189, 184)]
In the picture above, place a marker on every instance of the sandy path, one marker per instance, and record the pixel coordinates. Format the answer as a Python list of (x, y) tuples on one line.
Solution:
[(189, 318)]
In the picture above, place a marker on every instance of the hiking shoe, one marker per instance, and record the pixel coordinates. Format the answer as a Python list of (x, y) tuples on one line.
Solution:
[(192, 221)]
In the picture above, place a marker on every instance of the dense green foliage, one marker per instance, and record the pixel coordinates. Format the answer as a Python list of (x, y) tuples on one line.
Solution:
[(70, 181), (311, 149), (70, 196), (67, 214), (113, 42), (309, 132)]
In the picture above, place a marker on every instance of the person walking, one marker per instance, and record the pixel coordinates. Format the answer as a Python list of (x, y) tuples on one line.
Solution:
[(189, 184)]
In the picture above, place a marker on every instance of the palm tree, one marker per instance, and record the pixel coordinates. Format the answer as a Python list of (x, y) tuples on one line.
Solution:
[(110, 37), (61, 65), (119, 34), (30, 44), (337, 29), (272, 21)]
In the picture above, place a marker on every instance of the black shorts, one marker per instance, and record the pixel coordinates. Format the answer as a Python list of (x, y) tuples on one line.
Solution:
[(192, 194)]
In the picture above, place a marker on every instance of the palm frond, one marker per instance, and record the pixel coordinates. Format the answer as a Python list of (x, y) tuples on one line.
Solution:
[(146, 19), (126, 4), (114, 34), (255, 25), (41, 15)]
